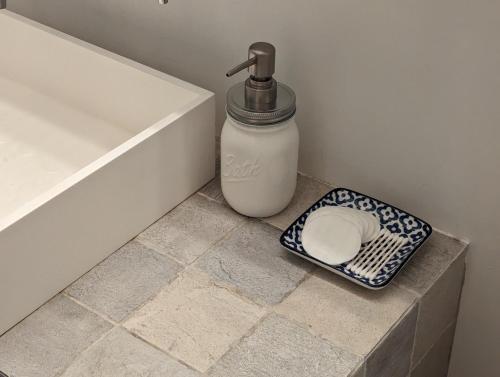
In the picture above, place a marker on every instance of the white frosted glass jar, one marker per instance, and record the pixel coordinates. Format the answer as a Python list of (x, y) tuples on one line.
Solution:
[(259, 166)]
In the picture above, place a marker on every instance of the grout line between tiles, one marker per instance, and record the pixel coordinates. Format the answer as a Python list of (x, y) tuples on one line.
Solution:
[(152, 297), (447, 327), (412, 353), (106, 333), (419, 301), (249, 333), (392, 328), (90, 309), (265, 312), (223, 238), (137, 336), (158, 249), (181, 272), (308, 275), (152, 246), (232, 291), (266, 309), (304, 325)]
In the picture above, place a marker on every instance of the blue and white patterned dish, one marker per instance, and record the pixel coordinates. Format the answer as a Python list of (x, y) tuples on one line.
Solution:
[(393, 219)]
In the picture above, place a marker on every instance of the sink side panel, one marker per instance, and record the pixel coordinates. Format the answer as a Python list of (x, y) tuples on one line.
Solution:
[(45, 251)]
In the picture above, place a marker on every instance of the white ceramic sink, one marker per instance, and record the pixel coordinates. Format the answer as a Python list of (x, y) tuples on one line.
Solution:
[(93, 149)]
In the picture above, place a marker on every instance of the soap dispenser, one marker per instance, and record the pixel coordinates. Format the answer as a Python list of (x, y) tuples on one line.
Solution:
[(260, 139)]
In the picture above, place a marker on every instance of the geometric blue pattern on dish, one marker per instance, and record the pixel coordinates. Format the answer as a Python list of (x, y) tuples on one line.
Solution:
[(393, 219)]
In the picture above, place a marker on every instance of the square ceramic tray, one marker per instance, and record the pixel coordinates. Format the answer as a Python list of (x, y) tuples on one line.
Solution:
[(393, 219)]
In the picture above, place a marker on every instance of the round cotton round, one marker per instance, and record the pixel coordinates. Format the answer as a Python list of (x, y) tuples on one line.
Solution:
[(331, 239)]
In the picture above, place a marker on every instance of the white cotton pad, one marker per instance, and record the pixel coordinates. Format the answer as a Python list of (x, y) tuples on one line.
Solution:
[(373, 229), (331, 239), (368, 224)]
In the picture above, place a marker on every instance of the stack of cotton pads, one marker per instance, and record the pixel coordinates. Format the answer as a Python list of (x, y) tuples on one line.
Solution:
[(334, 235)]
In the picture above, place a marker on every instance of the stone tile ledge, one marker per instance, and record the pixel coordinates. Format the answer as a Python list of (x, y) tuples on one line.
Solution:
[(207, 292)]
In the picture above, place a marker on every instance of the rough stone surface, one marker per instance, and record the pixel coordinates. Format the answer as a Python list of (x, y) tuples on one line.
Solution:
[(429, 263), (122, 355), (195, 320), (308, 192), (243, 307), (281, 348), (435, 362), (347, 315), (438, 308), (392, 357), (252, 260), (48, 341), (191, 228), (124, 281)]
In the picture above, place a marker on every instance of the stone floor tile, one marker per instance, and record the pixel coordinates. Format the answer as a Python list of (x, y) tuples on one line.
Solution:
[(308, 192), (191, 228), (120, 354), (347, 315), (430, 262), (392, 356), (438, 308), (48, 341), (435, 363), (252, 261), (125, 280), (195, 320), (281, 348)]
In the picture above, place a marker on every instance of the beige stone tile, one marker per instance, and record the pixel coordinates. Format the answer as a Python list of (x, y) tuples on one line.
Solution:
[(438, 308), (119, 354), (281, 348), (347, 315), (190, 229), (435, 363), (252, 261), (307, 193), (124, 281), (392, 356), (195, 320), (50, 339)]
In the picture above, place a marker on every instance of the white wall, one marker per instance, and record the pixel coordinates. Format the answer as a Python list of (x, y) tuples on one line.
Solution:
[(399, 99)]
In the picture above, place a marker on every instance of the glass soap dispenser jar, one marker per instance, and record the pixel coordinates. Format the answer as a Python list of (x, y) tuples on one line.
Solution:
[(260, 139)]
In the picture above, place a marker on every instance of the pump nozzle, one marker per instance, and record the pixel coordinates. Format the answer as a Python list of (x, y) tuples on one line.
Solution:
[(260, 63), (241, 67)]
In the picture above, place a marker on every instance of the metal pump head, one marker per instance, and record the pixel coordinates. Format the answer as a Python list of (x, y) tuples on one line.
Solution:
[(260, 63), (260, 87), (260, 100)]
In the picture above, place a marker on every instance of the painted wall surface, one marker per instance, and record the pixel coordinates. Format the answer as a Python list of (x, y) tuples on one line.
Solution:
[(398, 99)]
